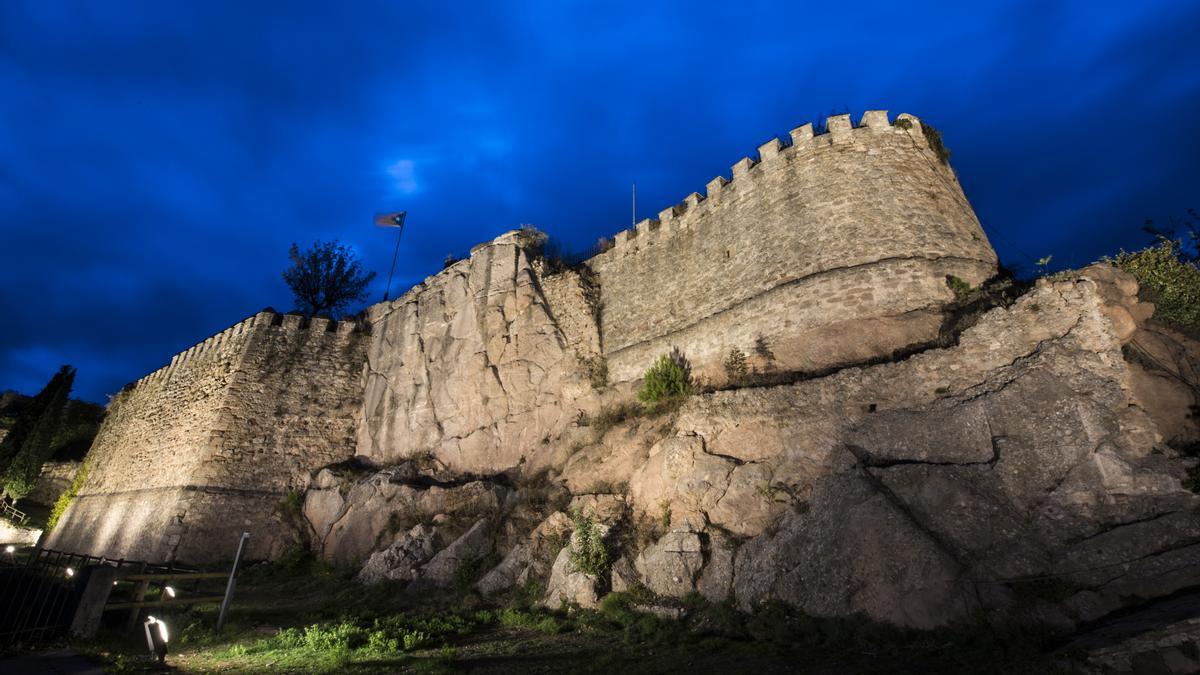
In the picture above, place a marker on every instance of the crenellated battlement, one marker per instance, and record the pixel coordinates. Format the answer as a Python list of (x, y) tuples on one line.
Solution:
[(873, 132), (860, 223), (267, 320)]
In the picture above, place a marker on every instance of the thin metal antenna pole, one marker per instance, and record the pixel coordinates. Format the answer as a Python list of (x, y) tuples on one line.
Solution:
[(394, 255), (232, 580)]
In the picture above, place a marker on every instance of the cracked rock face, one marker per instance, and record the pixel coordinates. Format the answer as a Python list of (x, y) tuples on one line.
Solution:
[(352, 517), (402, 560), (479, 366), (670, 565), (472, 546), (916, 492), (920, 491)]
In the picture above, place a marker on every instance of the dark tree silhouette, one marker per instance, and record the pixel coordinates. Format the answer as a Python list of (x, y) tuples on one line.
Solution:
[(326, 278), (38, 444)]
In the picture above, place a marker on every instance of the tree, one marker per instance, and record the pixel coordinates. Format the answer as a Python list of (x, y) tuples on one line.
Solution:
[(326, 278), (28, 413), (37, 446)]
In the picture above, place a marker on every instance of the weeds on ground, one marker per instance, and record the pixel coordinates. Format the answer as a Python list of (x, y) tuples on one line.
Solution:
[(327, 624)]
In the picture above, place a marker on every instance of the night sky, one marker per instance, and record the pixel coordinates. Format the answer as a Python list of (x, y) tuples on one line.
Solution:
[(157, 159)]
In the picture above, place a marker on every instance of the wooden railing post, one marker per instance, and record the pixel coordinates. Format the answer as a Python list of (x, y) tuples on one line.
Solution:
[(139, 594), (97, 582)]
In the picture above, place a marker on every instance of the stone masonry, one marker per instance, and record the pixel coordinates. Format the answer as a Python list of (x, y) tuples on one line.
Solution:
[(195, 453), (852, 230)]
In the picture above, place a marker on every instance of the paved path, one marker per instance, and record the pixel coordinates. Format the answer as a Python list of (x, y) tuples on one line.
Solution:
[(58, 662)]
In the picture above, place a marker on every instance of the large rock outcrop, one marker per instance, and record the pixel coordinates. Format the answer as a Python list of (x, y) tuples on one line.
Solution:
[(916, 491), (353, 514), (480, 366)]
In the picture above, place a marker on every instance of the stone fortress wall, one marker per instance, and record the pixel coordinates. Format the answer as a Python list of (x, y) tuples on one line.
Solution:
[(206, 447), (488, 364), (857, 227)]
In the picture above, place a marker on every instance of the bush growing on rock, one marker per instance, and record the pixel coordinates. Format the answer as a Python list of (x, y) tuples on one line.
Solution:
[(736, 368), (588, 552), (1167, 280), (670, 377)]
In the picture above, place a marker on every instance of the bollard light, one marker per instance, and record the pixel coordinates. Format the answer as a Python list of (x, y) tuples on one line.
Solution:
[(70, 571), (169, 591), (156, 638), (10, 549)]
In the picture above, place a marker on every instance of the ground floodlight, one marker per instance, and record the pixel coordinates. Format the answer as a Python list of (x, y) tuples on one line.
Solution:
[(10, 549), (156, 638), (70, 571), (169, 591)]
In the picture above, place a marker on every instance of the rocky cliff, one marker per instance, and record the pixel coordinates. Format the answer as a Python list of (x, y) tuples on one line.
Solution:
[(1020, 466)]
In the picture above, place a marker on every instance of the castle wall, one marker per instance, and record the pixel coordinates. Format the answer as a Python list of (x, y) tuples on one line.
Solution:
[(832, 250), (846, 234), (196, 452), (54, 480)]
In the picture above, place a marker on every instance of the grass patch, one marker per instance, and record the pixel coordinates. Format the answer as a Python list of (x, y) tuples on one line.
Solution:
[(321, 622)]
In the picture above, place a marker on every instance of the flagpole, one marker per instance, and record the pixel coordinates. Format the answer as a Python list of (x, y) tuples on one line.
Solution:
[(398, 219)]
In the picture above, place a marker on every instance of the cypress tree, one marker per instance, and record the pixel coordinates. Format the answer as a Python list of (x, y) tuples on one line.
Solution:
[(27, 418), (23, 472)]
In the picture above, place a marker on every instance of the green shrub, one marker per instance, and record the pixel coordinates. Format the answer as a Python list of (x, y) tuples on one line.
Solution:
[(670, 377), (64, 500), (415, 640), (588, 553), (934, 138), (962, 290), (735, 364), (1171, 283), (380, 644)]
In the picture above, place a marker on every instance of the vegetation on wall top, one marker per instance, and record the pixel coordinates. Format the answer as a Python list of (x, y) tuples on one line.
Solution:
[(1169, 277)]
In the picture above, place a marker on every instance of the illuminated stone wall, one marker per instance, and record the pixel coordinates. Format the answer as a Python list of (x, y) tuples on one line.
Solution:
[(847, 233), (830, 250), (196, 452)]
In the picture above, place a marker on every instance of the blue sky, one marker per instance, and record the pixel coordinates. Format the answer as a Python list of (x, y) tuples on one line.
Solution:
[(157, 159)]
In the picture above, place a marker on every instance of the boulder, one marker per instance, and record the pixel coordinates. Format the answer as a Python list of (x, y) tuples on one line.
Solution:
[(568, 585), (401, 561), (716, 580), (603, 508), (352, 516), (530, 557), (853, 551), (476, 544), (670, 565), (508, 573), (623, 576)]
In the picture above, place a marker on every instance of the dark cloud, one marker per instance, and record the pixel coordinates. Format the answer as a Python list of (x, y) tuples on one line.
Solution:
[(157, 159)]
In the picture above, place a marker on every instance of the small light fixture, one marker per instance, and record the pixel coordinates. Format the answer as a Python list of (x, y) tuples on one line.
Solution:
[(156, 638), (10, 549), (70, 571), (169, 591)]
